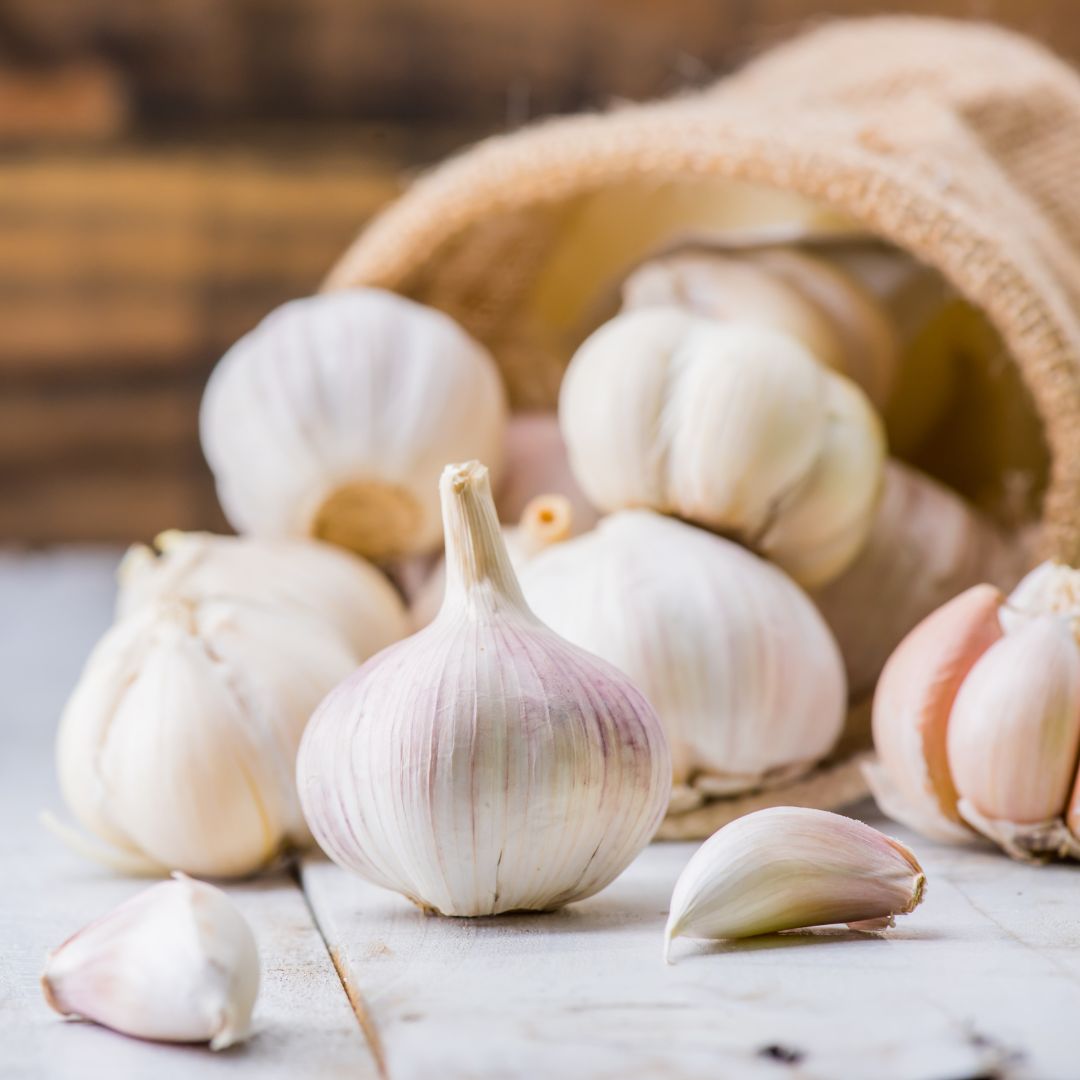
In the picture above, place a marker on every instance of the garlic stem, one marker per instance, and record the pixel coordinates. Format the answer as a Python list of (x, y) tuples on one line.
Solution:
[(546, 519)]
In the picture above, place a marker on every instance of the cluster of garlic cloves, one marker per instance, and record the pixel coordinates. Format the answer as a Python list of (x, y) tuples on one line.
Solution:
[(733, 426), (745, 675), (977, 719), (333, 417), (485, 764), (792, 868), (176, 963)]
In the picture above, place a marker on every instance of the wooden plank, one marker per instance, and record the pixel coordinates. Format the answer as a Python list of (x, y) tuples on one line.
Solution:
[(981, 980), (54, 607)]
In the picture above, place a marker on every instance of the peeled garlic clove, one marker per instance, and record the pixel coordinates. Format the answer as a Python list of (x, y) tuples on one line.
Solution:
[(177, 746), (926, 546), (740, 666), (333, 417), (319, 579), (723, 424), (913, 781), (535, 465), (485, 764), (791, 868), (176, 963), (1014, 739), (820, 529), (734, 288)]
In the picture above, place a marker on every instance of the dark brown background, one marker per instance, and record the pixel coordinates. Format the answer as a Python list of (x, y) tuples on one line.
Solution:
[(172, 169)]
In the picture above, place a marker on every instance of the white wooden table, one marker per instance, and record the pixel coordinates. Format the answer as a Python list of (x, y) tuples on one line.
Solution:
[(983, 980)]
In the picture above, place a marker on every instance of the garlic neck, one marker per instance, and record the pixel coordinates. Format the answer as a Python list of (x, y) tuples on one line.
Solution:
[(478, 570)]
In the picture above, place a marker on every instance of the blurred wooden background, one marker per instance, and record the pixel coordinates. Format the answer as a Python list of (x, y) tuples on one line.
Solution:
[(172, 169)]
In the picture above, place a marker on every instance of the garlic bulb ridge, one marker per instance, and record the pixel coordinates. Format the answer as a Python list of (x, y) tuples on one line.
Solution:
[(732, 426), (333, 417), (176, 963), (484, 765), (733, 655)]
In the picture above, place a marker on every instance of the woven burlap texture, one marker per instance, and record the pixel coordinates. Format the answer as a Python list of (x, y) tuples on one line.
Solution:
[(959, 142)]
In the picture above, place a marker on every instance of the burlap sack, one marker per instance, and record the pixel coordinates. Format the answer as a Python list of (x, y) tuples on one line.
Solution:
[(957, 142)]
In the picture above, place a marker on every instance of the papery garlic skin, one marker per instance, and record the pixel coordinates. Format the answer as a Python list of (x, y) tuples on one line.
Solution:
[(176, 963), (927, 545), (333, 417), (319, 579), (1014, 738), (733, 426), (178, 745), (732, 654), (535, 464), (484, 765), (1052, 588), (791, 868)]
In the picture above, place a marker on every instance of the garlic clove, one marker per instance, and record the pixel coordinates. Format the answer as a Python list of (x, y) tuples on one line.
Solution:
[(745, 675), (332, 418), (822, 526), (912, 707), (178, 743), (1014, 739), (1051, 588), (485, 764), (315, 578), (176, 963), (791, 868)]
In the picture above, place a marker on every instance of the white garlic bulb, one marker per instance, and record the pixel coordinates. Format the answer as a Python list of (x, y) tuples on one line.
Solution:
[(485, 764), (839, 321), (733, 426), (333, 417), (977, 719), (926, 546), (177, 747), (176, 963), (732, 654), (791, 868), (346, 591)]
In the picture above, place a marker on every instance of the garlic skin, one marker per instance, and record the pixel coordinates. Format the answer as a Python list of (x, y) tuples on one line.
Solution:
[(484, 765), (535, 464), (926, 545), (177, 747), (333, 417), (732, 426), (176, 963), (791, 868), (319, 579), (736, 660), (977, 720)]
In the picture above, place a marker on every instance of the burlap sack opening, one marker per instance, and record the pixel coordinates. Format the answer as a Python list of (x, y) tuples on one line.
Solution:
[(958, 143)]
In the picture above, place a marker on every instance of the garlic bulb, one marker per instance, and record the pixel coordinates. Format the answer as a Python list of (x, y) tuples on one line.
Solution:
[(927, 545), (839, 321), (484, 765), (176, 963), (333, 417), (545, 520), (178, 745), (733, 426), (977, 719), (322, 580), (535, 464), (734, 657), (791, 868)]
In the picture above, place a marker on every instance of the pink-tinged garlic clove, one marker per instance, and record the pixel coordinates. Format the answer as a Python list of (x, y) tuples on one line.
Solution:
[(1014, 736), (912, 705)]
